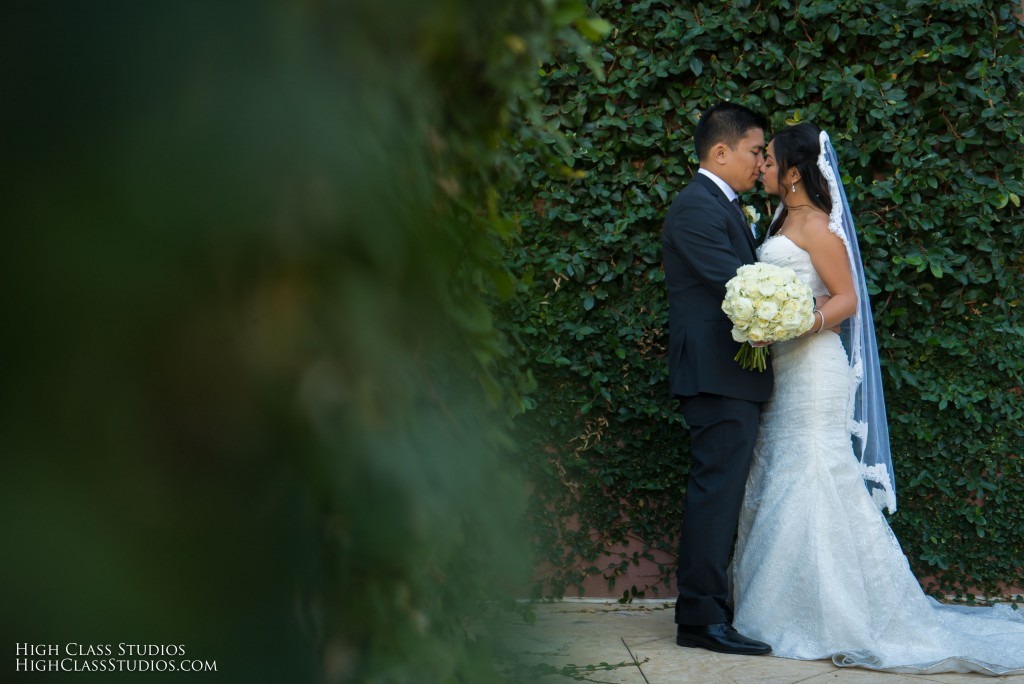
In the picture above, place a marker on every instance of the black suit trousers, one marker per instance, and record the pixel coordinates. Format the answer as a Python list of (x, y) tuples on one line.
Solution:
[(722, 435)]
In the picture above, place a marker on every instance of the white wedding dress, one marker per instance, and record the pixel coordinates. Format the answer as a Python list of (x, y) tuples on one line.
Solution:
[(817, 572)]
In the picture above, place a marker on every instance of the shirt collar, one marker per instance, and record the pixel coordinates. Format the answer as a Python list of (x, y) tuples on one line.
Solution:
[(730, 194)]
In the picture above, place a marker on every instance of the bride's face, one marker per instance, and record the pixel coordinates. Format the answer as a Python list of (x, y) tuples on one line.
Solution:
[(770, 171)]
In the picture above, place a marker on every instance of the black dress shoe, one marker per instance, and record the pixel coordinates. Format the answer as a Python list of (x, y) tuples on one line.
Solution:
[(721, 638)]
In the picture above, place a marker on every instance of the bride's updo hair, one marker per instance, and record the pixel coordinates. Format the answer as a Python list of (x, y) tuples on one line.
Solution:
[(798, 147)]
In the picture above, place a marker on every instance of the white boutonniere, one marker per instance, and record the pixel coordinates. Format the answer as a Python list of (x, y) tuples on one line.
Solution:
[(752, 216)]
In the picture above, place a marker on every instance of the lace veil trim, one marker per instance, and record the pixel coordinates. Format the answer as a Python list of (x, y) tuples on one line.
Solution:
[(866, 418)]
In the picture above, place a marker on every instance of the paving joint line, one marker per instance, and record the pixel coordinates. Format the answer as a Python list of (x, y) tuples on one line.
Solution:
[(635, 661)]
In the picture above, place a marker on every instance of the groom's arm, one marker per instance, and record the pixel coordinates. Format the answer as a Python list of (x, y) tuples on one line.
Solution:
[(700, 234)]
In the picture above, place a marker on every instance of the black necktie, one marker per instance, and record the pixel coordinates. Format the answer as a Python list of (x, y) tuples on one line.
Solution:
[(736, 203)]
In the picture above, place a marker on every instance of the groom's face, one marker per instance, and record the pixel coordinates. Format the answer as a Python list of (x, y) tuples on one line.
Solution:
[(740, 166)]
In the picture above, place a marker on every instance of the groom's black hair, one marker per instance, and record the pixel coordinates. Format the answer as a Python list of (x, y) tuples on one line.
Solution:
[(726, 122)]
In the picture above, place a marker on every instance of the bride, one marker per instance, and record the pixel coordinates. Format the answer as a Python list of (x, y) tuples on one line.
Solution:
[(817, 572)]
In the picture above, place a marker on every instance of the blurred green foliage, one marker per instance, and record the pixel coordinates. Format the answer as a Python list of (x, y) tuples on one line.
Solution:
[(924, 104), (249, 397)]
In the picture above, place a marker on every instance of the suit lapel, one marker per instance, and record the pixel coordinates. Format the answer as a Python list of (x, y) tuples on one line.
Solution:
[(730, 210)]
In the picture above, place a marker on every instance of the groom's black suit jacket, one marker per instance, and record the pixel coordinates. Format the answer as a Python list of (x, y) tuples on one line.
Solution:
[(704, 241)]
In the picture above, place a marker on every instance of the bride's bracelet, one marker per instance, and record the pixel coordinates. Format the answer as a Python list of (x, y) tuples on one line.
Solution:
[(822, 326)]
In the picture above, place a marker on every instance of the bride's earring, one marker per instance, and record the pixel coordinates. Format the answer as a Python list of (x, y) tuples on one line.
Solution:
[(793, 187)]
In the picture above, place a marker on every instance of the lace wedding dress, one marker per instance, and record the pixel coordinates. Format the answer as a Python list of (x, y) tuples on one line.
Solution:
[(817, 572)]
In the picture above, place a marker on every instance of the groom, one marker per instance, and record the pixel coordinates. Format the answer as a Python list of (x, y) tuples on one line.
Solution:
[(705, 238)]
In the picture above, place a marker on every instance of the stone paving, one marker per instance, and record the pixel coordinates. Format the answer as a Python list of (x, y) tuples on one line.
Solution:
[(611, 643)]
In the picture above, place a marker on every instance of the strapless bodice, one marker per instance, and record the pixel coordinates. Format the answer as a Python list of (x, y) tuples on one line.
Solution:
[(779, 250)]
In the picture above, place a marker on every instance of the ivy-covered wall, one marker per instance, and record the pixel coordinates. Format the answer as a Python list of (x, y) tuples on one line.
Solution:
[(923, 102)]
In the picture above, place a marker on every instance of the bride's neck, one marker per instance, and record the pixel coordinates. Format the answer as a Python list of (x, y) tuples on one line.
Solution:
[(797, 201)]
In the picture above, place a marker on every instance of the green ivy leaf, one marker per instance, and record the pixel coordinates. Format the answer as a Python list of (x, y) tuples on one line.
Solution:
[(594, 29)]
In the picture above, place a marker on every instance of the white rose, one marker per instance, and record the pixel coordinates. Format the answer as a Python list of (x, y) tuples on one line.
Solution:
[(767, 310), (756, 334), (793, 321), (767, 287), (738, 335), (743, 308), (752, 214), (808, 320), (796, 290)]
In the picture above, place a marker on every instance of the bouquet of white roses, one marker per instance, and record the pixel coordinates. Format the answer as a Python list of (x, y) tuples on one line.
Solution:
[(766, 303)]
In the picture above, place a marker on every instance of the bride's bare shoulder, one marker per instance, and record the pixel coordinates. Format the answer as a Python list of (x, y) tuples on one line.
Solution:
[(807, 229), (819, 240), (816, 221), (816, 228)]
